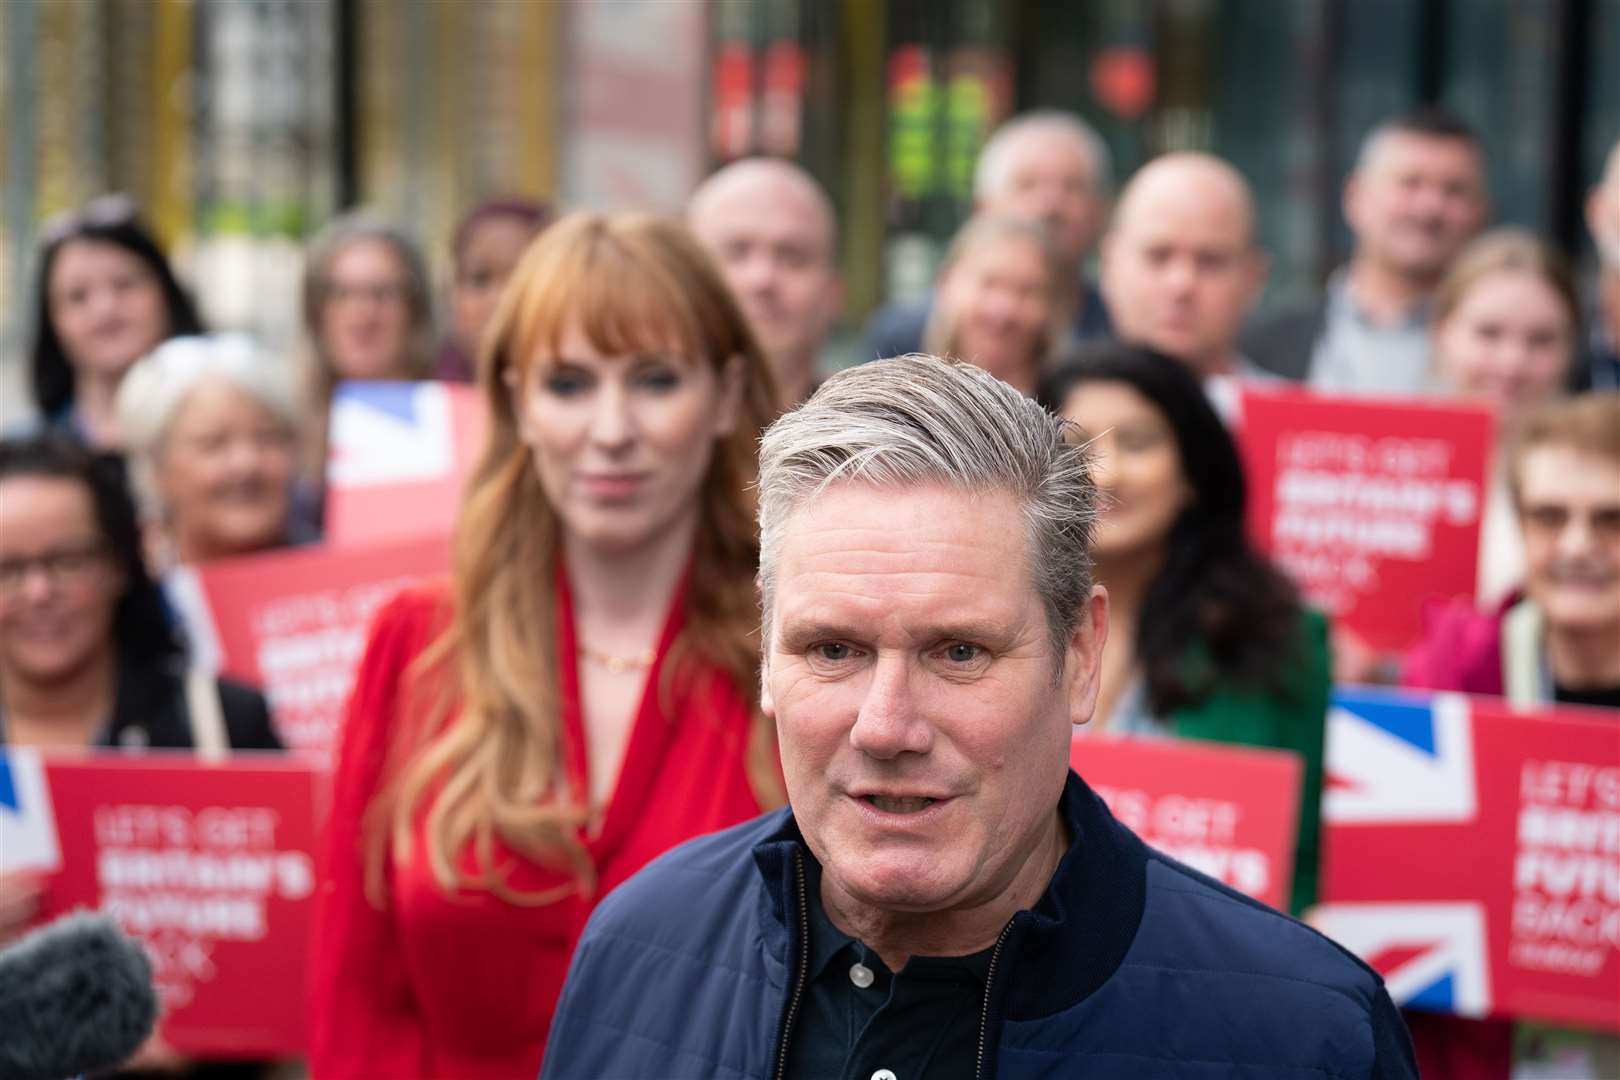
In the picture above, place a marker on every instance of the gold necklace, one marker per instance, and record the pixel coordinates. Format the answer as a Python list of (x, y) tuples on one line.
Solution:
[(618, 665)]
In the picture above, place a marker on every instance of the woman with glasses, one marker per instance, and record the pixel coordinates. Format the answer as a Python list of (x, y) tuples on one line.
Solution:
[(105, 296), (368, 315), (88, 654)]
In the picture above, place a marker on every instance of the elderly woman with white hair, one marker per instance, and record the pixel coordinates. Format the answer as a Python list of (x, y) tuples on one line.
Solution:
[(211, 426)]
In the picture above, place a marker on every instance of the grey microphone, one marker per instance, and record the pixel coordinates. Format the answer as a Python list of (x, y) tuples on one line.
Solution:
[(75, 996)]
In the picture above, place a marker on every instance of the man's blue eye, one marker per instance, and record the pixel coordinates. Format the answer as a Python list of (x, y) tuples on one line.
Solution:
[(833, 650), (961, 653)]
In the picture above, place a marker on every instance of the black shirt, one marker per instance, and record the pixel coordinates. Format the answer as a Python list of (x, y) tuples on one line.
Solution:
[(920, 1024), (150, 712), (1603, 697)]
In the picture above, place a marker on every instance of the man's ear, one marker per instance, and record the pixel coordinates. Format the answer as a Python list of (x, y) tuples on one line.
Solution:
[(1350, 199), (767, 701), (731, 392), (1085, 656)]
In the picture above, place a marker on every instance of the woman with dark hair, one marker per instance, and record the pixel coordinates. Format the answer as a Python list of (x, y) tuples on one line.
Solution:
[(485, 248), (582, 695), (1206, 639), (88, 654), (106, 296)]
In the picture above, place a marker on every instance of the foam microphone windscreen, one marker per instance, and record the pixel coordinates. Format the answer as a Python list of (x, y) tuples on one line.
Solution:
[(75, 996)]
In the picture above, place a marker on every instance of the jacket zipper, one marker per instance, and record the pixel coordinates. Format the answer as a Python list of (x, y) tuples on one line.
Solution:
[(984, 1013), (804, 965)]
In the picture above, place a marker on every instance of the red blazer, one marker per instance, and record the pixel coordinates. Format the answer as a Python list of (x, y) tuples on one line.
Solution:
[(463, 985)]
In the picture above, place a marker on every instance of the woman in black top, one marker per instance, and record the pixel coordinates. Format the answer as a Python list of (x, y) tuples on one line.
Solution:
[(105, 297), (88, 653)]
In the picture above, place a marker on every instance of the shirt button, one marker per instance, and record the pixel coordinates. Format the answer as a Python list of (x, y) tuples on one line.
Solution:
[(862, 976), (884, 1074)]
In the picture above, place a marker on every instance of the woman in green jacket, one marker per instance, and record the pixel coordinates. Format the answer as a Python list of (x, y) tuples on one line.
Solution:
[(1206, 639)]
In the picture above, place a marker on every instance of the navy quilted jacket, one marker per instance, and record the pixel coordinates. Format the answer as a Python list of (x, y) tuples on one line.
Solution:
[(1131, 965)]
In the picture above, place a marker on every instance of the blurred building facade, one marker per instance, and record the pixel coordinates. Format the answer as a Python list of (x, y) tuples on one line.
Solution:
[(242, 125)]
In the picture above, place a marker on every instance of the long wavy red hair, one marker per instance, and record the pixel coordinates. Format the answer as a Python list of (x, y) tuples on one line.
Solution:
[(480, 755)]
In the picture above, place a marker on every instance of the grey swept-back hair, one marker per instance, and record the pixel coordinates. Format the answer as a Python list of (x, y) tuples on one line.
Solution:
[(917, 420), (991, 173)]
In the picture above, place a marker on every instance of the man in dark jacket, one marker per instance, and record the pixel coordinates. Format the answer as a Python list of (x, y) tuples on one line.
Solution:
[(944, 897), (1416, 196)]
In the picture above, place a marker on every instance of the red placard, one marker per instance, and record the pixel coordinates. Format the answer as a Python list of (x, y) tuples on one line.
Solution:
[(399, 454), (1232, 812), (1372, 506), (294, 623), (1472, 853), (210, 865)]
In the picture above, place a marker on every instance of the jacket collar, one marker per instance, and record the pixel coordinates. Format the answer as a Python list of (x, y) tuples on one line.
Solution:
[(1061, 950)]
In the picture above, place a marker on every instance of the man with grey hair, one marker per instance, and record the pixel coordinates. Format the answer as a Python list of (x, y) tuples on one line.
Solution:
[(774, 235), (1046, 166), (1416, 195), (943, 897)]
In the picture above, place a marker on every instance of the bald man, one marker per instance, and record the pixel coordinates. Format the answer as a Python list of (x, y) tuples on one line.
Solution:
[(1416, 196), (1180, 268), (1601, 367), (772, 230)]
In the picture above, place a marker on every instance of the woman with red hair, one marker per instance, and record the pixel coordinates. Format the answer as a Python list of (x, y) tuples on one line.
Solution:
[(582, 695)]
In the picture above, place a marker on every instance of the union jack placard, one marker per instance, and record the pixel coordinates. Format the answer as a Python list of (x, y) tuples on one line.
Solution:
[(398, 454), (1472, 853)]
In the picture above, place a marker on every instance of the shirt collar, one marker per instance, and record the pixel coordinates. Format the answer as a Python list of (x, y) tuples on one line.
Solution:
[(828, 944), (1065, 947), (1342, 304), (826, 940)]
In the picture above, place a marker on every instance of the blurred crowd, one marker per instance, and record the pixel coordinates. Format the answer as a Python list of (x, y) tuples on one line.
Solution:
[(499, 771)]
